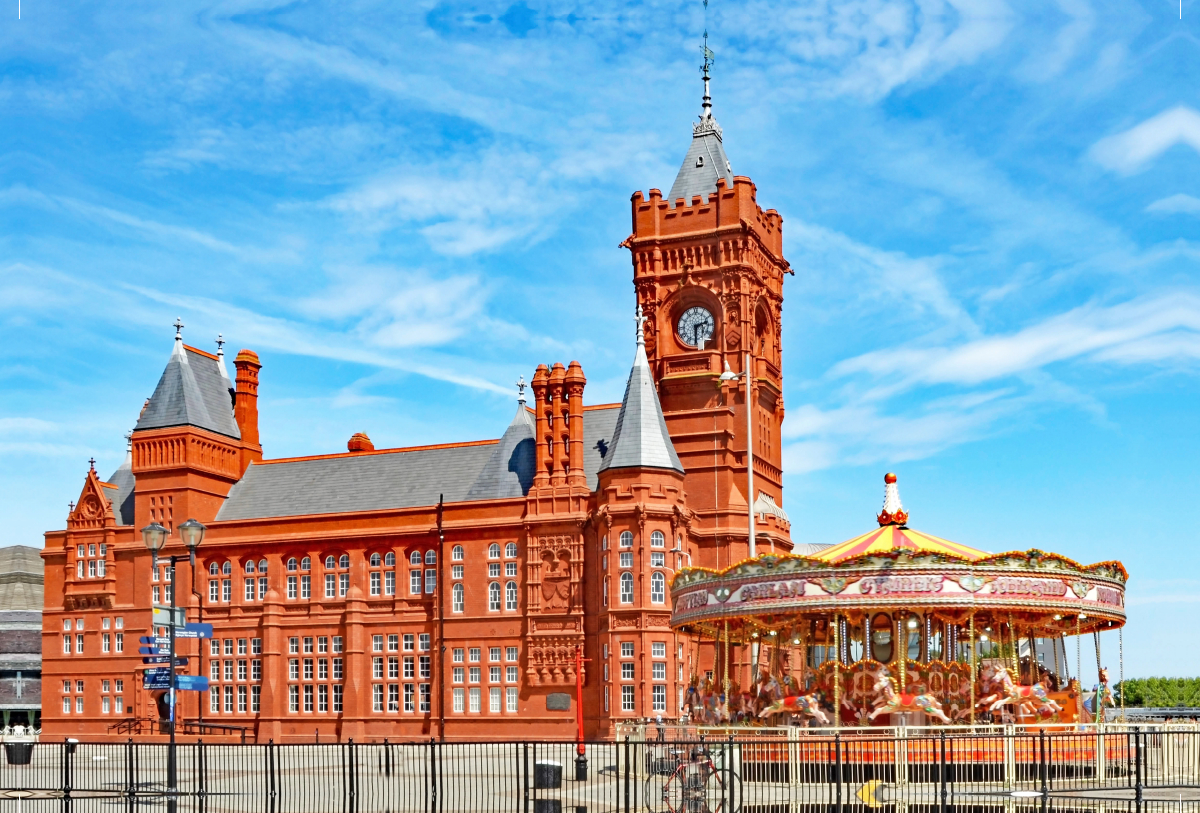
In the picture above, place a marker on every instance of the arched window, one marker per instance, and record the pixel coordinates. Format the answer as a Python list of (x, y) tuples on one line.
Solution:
[(657, 540), (494, 551), (292, 564), (510, 596), (414, 558), (344, 561), (227, 568), (262, 565), (626, 588), (658, 588), (431, 557), (306, 564), (510, 550), (389, 560), (627, 539), (213, 569), (329, 563), (456, 553), (456, 599), (494, 596), (604, 543), (375, 560), (250, 566)]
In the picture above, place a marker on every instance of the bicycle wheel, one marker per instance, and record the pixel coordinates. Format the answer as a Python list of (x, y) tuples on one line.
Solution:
[(657, 794), (722, 793)]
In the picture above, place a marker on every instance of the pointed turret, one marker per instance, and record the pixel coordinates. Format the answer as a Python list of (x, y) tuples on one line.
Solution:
[(509, 471), (641, 439), (121, 484), (193, 391), (893, 510), (705, 162)]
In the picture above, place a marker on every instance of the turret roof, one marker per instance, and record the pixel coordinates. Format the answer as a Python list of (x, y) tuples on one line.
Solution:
[(641, 439), (705, 161), (193, 391)]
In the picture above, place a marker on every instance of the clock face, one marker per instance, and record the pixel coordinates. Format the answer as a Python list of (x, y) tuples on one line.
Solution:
[(695, 327)]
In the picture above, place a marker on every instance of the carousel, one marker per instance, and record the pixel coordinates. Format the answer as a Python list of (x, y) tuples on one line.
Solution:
[(897, 627)]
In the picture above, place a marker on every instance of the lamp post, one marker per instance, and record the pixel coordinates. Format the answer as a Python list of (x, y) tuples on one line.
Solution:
[(729, 375), (155, 537)]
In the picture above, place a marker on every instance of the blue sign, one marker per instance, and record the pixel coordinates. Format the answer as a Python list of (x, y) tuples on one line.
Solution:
[(166, 659), (156, 682), (191, 683), (194, 631), (158, 671), (154, 650), (160, 640)]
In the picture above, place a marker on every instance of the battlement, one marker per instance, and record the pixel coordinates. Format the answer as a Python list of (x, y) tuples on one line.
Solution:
[(726, 208)]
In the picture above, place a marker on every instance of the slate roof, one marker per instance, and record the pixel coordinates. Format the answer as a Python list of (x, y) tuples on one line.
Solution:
[(510, 469), (194, 390), (405, 478), (704, 163), (640, 439), (122, 495)]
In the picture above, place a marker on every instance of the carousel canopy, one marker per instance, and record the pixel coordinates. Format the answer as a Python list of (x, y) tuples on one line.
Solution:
[(896, 538)]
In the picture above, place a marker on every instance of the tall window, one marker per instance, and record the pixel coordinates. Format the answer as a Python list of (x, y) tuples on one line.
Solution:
[(510, 596), (456, 599), (494, 596), (658, 588), (414, 582), (626, 588), (627, 701)]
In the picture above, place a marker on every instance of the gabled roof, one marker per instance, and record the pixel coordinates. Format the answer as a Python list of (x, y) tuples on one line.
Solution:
[(119, 491), (640, 439), (194, 390), (405, 478)]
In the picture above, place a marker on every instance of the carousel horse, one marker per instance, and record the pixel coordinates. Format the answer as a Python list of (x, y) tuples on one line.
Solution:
[(806, 705), (1104, 695), (769, 691), (1031, 699), (890, 701)]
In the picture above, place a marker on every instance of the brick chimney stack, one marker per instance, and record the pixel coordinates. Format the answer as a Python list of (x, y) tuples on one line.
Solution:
[(573, 391), (245, 405), (541, 435)]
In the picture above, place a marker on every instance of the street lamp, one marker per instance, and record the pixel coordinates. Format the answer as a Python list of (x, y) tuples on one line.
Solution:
[(155, 537)]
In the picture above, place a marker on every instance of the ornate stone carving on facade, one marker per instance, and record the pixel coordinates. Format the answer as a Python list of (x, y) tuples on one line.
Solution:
[(619, 622), (556, 581), (551, 660)]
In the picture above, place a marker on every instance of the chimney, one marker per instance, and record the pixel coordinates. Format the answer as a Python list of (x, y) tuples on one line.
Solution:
[(541, 435), (245, 405), (560, 437), (574, 384), (359, 442)]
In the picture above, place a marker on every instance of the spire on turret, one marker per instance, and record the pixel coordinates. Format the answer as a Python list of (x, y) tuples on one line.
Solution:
[(705, 162), (640, 439), (193, 391)]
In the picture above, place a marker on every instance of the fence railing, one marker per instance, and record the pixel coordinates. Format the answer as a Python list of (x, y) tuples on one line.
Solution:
[(701, 774)]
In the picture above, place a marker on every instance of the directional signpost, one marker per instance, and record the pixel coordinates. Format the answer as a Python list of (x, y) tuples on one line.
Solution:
[(161, 659), (191, 683), (163, 616)]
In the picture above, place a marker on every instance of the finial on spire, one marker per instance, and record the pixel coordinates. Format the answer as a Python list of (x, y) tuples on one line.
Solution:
[(220, 344), (178, 329), (92, 463), (641, 329), (129, 441), (893, 510), (521, 390), (709, 56)]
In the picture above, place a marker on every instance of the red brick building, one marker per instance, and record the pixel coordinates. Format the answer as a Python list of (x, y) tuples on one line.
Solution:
[(337, 607)]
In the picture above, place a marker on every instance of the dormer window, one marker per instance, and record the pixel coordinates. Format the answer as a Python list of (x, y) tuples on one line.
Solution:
[(699, 160)]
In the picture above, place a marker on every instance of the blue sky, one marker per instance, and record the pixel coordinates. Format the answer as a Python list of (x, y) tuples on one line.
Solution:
[(991, 207)]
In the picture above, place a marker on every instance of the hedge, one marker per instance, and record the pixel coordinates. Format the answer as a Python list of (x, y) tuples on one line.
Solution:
[(1160, 692)]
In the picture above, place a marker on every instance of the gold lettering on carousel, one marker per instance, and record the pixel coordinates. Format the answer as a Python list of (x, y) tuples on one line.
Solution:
[(1013, 585), (692, 601), (773, 590), (1107, 595), (885, 585)]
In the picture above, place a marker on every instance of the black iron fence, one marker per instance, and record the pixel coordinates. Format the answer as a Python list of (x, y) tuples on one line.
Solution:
[(787, 773)]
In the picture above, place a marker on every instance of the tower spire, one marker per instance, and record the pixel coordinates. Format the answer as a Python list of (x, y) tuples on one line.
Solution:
[(704, 71)]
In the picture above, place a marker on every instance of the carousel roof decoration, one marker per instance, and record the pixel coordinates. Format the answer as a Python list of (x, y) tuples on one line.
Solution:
[(894, 566)]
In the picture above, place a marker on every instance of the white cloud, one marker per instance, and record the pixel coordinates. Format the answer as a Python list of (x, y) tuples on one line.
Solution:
[(1130, 151), (1157, 328), (1179, 204)]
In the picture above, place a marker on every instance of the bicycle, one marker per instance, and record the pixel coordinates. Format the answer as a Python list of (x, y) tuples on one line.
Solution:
[(692, 783)]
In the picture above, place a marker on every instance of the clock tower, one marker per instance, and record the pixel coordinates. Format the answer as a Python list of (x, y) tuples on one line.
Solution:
[(708, 268)]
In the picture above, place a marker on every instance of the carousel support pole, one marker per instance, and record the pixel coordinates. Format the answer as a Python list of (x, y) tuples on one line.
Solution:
[(902, 651), (971, 643), (837, 672), (1079, 661), (1101, 689)]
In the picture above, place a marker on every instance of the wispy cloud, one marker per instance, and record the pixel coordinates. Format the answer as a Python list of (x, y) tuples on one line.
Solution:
[(1158, 328), (1179, 204), (1132, 150)]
